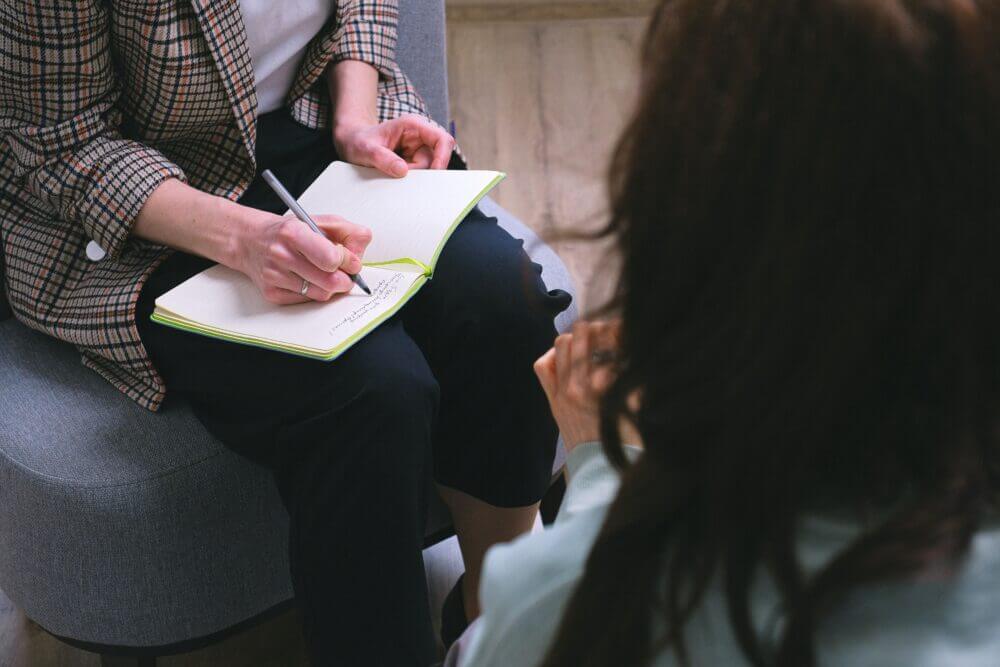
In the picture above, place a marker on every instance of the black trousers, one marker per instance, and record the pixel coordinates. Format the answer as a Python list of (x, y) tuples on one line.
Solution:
[(446, 384)]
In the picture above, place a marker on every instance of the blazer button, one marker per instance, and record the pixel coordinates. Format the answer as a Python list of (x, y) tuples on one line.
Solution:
[(95, 253)]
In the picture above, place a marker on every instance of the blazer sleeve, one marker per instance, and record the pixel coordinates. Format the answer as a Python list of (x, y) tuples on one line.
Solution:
[(60, 121), (367, 30)]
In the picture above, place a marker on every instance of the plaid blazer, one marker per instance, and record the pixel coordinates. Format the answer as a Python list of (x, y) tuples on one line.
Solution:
[(100, 101)]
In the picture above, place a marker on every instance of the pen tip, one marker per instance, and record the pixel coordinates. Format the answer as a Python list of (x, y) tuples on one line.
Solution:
[(360, 282)]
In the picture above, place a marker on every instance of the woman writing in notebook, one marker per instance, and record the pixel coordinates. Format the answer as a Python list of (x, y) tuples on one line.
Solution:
[(133, 137)]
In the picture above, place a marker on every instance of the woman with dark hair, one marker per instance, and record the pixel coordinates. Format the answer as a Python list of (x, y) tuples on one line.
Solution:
[(808, 207)]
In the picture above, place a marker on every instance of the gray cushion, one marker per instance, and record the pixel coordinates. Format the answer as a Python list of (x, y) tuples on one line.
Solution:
[(110, 512), (120, 526)]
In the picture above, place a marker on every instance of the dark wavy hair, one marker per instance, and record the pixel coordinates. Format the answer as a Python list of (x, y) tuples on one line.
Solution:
[(806, 203)]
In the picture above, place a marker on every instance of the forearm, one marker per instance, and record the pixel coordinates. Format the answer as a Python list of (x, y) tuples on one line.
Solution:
[(184, 218), (353, 89), (280, 255)]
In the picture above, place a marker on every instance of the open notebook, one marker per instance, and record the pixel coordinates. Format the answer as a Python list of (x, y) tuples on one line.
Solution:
[(410, 218)]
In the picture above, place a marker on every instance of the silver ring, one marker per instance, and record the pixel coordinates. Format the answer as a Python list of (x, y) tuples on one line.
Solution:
[(305, 287), (602, 357)]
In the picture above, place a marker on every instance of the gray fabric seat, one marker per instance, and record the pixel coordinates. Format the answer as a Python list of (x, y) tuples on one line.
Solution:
[(120, 527)]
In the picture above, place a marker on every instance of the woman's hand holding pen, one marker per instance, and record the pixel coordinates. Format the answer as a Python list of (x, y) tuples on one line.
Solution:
[(290, 264), (279, 254)]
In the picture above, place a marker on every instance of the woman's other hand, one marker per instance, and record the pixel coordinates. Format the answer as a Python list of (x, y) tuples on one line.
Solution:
[(575, 373), (279, 253), (395, 146)]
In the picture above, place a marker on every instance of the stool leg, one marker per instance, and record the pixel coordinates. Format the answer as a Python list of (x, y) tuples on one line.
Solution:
[(127, 661)]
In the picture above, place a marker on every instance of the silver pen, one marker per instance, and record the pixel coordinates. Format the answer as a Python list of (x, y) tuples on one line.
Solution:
[(290, 202)]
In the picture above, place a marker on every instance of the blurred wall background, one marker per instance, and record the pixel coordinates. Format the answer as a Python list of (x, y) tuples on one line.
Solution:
[(541, 89)]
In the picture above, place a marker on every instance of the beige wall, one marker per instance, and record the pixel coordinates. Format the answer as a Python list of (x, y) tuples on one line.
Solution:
[(540, 89), (530, 10)]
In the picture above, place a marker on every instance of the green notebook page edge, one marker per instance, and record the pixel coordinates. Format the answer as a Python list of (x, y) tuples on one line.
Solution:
[(409, 261), (221, 334), (429, 269)]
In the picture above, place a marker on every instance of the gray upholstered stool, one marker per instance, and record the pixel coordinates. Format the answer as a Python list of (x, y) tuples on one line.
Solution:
[(125, 530)]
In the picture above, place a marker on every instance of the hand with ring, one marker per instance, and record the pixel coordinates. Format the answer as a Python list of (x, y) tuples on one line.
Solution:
[(575, 373), (289, 263)]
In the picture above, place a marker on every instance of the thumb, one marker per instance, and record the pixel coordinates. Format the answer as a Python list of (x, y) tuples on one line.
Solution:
[(388, 162)]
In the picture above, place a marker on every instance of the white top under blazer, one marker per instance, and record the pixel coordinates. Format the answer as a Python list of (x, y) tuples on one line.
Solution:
[(278, 32)]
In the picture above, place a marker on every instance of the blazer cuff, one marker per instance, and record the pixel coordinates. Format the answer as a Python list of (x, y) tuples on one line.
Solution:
[(129, 176), (369, 42)]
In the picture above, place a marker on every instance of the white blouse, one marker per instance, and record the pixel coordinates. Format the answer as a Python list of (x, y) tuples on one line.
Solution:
[(278, 34), (936, 620)]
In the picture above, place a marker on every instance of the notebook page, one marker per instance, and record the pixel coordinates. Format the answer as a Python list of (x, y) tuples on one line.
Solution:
[(409, 217), (223, 301)]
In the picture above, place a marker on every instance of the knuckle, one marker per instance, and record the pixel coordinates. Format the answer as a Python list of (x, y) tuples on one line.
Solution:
[(328, 282), (342, 283), (286, 231), (275, 253), (339, 255)]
